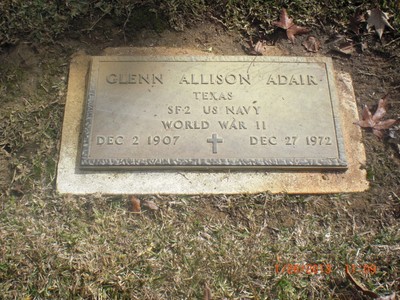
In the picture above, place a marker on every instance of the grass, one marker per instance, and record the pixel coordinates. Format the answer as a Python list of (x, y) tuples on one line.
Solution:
[(44, 21), (92, 247)]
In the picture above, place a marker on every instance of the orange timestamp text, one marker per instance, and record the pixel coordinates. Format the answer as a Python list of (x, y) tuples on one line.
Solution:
[(314, 269)]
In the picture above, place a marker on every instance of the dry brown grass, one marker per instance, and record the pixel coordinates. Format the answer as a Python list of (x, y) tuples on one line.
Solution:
[(94, 248)]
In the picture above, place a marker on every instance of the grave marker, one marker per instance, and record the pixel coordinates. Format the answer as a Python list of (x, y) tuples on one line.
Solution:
[(234, 112), (72, 178)]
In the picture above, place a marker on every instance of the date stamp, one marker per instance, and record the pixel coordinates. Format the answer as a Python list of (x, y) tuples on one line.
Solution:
[(323, 269)]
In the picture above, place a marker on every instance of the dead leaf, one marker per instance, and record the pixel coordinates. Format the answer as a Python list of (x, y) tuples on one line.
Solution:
[(287, 23), (207, 293), (150, 205), (363, 46), (312, 44), (134, 204), (17, 189), (366, 291), (356, 20), (284, 21), (343, 45), (388, 297), (379, 20), (374, 121), (360, 287), (394, 138), (258, 49), (347, 47), (292, 31)]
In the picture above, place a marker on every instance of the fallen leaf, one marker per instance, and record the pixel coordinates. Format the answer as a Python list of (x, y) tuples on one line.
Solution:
[(388, 297), (287, 23), (17, 189), (356, 20), (150, 205), (360, 287), (363, 46), (347, 47), (292, 31), (134, 204), (284, 21), (366, 291), (343, 46), (258, 49), (394, 138), (379, 20), (312, 44), (207, 293), (374, 121)]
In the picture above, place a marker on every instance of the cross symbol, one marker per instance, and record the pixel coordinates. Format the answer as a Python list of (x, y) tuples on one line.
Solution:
[(214, 140)]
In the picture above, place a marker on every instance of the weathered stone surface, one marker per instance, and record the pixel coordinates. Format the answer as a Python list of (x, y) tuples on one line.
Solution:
[(71, 179), (199, 112)]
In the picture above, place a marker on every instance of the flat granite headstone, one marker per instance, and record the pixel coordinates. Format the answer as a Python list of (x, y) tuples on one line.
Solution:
[(209, 112), (196, 124)]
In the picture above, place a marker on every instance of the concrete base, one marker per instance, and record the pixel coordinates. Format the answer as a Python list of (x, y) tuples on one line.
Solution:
[(70, 179)]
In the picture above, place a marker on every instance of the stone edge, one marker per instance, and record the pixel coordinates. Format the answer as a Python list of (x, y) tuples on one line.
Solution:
[(72, 180)]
